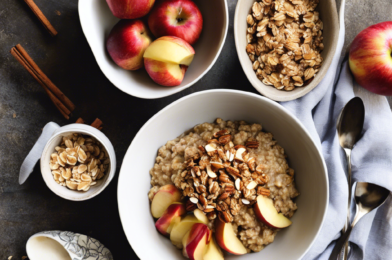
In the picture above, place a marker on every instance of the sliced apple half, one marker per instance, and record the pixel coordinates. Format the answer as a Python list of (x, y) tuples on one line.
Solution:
[(165, 196), (227, 239), (170, 49), (266, 212), (213, 251), (195, 241), (181, 228), (171, 215)]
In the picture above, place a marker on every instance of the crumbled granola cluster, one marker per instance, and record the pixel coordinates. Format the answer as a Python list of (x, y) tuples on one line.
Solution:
[(222, 177), (284, 42)]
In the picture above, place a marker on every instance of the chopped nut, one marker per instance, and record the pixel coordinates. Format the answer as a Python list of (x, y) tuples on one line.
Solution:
[(263, 191)]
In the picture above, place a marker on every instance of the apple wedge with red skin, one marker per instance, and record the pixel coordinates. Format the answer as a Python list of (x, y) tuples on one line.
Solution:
[(195, 241), (165, 196), (130, 9), (127, 42), (180, 18), (165, 223), (266, 212), (227, 239)]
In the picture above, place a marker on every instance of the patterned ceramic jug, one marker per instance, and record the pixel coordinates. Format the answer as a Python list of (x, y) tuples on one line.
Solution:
[(64, 245)]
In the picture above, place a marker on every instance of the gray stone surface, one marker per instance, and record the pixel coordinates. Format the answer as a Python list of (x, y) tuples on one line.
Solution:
[(68, 61)]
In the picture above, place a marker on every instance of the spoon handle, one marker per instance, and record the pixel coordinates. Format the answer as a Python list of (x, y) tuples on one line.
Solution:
[(348, 156), (340, 244)]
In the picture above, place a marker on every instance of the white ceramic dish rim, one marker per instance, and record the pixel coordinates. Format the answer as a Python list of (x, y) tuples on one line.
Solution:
[(276, 105), (256, 83), (84, 29), (91, 132)]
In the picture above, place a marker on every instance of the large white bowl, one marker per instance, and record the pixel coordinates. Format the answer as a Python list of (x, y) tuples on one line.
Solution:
[(97, 21), (329, 16), (206, 106)]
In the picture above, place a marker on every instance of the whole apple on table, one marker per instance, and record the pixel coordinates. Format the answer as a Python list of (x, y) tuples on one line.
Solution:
[(370, 58), (176, 23), (190, 232)]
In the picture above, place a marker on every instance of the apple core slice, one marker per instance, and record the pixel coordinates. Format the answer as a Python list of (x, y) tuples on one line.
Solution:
[(169, 50), (267, 213)]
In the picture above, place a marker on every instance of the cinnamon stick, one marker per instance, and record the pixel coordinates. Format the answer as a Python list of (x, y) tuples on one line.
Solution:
[(57, 92), (60, 106), (97, 124), (58, 98), (42, 18), (80, 121)]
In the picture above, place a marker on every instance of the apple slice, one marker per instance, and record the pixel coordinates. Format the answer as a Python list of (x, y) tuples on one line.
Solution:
[(195, 241), (170, 49), (213, 251), (165, 196), (227, 239), (201, 216), (181, 228), (267, 213), (172, 214)]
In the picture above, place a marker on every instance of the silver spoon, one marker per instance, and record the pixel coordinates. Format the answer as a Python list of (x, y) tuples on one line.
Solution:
[(367, 198), (349, 126)]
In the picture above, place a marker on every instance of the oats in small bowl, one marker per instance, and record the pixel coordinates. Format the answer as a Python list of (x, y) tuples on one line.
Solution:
[(285, 47), (78, 162)]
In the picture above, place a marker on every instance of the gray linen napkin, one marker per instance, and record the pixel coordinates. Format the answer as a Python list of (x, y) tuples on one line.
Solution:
[(371, 159)]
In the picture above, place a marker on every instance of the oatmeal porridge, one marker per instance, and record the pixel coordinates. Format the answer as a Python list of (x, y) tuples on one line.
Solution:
[(220, 169)]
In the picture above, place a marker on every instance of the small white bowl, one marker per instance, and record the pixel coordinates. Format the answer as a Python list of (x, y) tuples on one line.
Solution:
[(303, 154), (97, 21), (64, 192), (329, 16), (65, 245)]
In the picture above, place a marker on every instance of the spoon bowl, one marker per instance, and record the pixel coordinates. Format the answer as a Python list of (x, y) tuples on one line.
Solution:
[(368, 197), (350, 123)]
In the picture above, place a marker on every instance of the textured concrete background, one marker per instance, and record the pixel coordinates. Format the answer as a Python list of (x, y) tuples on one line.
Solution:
[(68, 61)]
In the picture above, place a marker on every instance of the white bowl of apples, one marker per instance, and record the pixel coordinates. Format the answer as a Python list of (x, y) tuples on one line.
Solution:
[(159, 47), (147, 225)]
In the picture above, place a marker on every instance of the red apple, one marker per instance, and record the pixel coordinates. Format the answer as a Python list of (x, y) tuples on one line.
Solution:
[(127, 42), (195, 241), (130, 9), (227, 239), (171, 216), (180, 18), (165, 196), (371, 58), (167, 59), (266, 212)]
